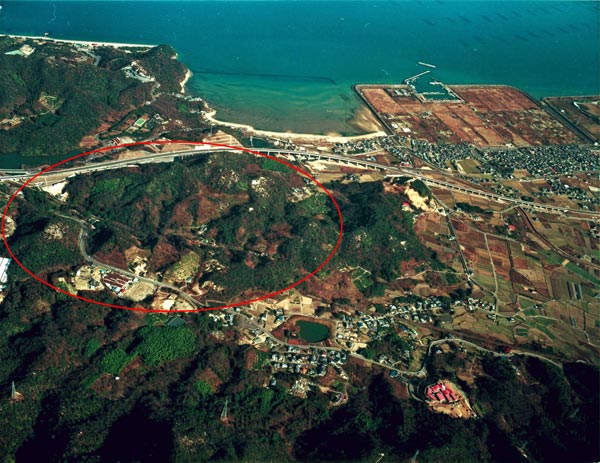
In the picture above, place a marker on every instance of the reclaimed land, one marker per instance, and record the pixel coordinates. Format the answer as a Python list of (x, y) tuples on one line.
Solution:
[(485, 115)]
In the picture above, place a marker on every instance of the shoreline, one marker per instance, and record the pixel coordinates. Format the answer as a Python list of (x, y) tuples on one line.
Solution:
[(79, 42), (211, 113), (250, 130)]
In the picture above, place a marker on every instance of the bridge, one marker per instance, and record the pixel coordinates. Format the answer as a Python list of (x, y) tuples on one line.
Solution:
[(20, 174)]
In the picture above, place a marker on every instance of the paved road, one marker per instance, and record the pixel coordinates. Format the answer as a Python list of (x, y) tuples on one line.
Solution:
[(83, 235), (421, 372), (390, 172), (554, 248), (301, 155)]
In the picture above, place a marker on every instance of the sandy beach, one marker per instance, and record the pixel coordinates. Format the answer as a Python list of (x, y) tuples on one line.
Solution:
[(80, 42), (210, 116), (363, 122)]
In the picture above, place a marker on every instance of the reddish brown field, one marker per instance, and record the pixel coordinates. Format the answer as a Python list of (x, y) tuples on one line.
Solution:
[(380, 100), (585, 116), (488, 116)]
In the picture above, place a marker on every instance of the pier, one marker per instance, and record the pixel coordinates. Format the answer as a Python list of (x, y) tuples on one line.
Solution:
[(410, 80)]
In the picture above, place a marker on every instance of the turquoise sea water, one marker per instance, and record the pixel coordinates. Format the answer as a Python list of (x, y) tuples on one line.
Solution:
[(290, 65)]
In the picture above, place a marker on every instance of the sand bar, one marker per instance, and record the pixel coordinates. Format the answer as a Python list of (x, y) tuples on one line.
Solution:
[(81, 42)]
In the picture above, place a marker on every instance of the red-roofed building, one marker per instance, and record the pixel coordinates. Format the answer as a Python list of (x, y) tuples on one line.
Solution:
[(441, 392), (116, 282), (447, 395)]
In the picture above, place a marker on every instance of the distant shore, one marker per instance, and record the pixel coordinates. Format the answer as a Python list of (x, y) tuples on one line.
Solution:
[(80, 42)]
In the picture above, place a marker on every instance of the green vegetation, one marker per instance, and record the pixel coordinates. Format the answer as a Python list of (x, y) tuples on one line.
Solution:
[(204, 389), (61, 351), (472, 209), (526, 303), (261, 359), (247, 217), (92, 347), (85, 411), (43, 241), (185, 269), (275, 166), (78, 95), (114, 361), (315, 204), (552, 257), (161, 344), (378, 236), (361, 279), (522, 331), (389, 344), (582, 273), (420, 187)]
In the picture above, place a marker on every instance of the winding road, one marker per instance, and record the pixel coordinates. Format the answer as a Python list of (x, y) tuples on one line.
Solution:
[(390, 171)]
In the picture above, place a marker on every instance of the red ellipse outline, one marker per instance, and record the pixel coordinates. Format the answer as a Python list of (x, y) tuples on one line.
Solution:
[(170, 142)]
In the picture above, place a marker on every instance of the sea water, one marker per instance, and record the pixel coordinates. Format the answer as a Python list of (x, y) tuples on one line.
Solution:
[(290, 65)]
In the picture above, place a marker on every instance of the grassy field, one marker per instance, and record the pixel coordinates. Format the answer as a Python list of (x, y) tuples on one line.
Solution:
[(542, 325), (470, 166), (185, 269), (522, 331), (526, 303), (261, 358), (552, 258), (361, 279), (582, 273)]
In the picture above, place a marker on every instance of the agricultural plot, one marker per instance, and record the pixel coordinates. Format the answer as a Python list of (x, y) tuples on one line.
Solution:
[(528, 275), (499, 253), (433, 231), (593, 325), (522, 331), (582, 111), (444, 195), (551, 299), (468, 166), (526, 303), (361, 279), (483, 116)]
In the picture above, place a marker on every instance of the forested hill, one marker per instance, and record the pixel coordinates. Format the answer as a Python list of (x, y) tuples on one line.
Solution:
[(54, 94)]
